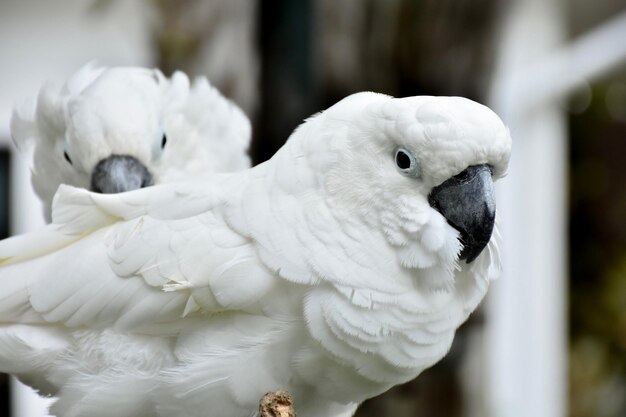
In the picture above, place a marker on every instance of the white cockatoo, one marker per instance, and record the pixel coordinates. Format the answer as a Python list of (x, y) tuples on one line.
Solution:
[(122, 128), (336, 270)]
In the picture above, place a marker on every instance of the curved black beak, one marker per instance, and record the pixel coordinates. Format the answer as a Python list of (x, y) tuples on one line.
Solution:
[(468, 204), (119, 173)]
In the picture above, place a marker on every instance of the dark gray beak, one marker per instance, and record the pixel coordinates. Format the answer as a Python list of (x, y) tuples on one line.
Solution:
[(468, 204), (119, 173)]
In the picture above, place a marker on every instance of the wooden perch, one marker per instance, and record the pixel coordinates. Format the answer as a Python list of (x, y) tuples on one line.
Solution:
[(276, 404)]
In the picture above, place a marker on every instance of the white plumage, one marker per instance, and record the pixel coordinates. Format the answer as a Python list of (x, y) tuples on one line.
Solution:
[(176, 130), (324, 271)]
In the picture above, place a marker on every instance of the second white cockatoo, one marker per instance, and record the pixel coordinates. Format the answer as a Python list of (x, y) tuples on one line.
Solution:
[(337, 269), (122, 128)]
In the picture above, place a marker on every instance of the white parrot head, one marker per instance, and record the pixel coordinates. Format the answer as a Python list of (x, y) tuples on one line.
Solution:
[(421, 169), (114, 130), (102, 130), (118, 129)]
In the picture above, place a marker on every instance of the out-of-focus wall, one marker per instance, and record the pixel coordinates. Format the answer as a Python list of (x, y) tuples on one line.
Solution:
[(44, 40)]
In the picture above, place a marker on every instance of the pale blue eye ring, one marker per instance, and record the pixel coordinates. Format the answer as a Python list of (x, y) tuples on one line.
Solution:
[(406, 162), (158, 146)]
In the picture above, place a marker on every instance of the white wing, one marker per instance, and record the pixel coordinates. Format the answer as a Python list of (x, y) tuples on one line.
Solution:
[(131, 261)]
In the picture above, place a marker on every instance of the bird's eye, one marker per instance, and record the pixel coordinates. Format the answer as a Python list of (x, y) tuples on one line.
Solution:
[(406, 162), (163, 141), (67, 157)]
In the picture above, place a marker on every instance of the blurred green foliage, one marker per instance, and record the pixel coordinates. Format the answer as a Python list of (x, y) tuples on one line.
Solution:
[(598, 259)]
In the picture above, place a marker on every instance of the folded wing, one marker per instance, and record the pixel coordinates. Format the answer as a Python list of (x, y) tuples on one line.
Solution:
[(133, 261)]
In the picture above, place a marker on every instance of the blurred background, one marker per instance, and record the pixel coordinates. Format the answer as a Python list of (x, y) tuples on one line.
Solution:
[(550, 339)]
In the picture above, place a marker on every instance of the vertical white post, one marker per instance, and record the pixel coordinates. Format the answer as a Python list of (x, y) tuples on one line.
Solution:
[(26, 215), (527, 323), (526, 328)]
